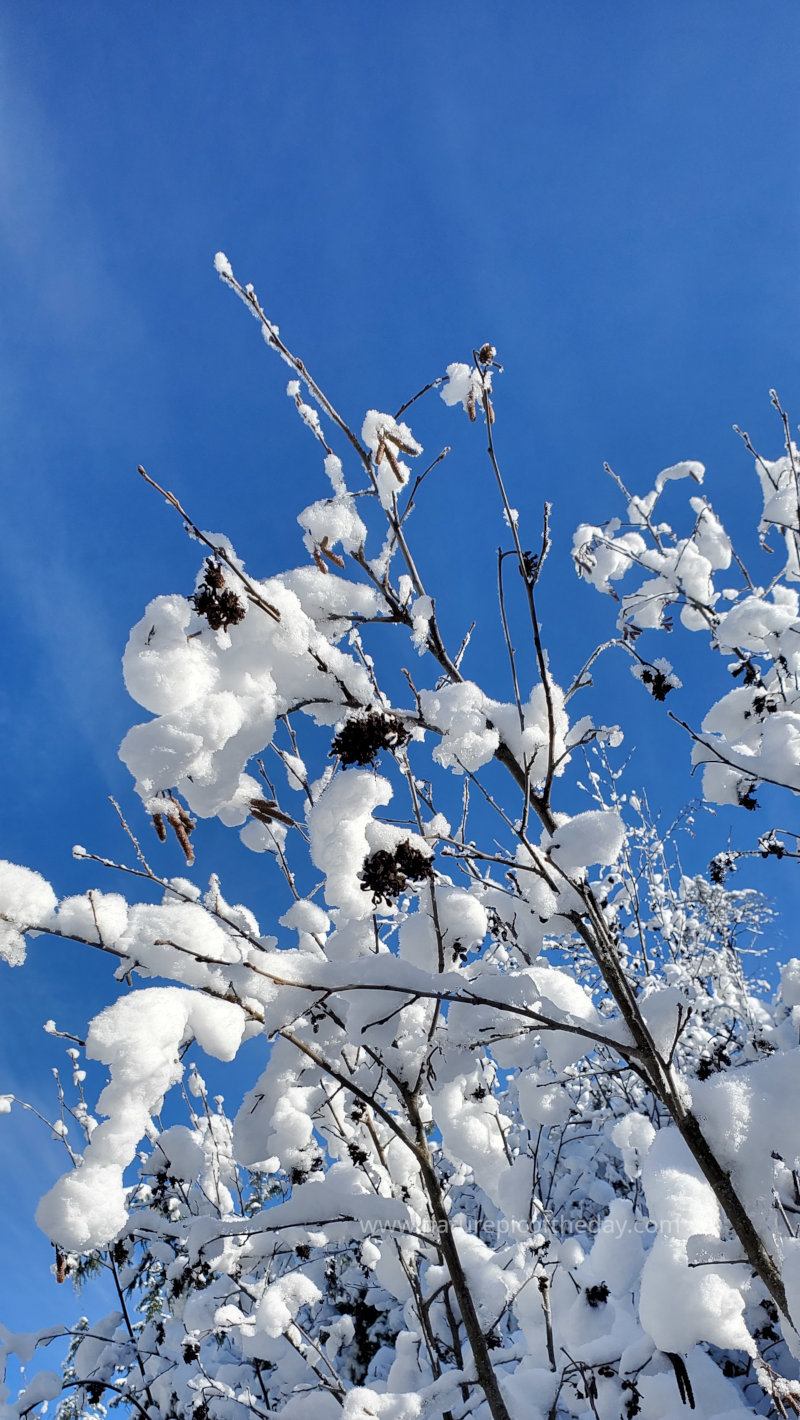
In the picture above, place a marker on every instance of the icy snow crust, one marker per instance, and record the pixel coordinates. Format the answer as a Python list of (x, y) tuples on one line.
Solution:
[(441, 1026)]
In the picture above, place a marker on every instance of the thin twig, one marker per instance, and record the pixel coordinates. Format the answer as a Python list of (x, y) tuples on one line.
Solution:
[(219, 552)]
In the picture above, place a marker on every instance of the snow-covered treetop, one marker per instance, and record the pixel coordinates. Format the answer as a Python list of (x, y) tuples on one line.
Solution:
[(520, 1144)]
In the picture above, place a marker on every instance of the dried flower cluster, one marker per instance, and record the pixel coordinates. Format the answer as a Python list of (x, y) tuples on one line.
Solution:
[(656, 681), (363, 736), (220, 606), (386, 875)]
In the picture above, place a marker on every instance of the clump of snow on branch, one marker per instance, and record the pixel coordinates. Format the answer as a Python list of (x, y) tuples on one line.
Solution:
[(26, 900), (138, 1039)]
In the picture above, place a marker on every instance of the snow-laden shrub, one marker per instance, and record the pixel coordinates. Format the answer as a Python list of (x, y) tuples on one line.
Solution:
[(525, 1140)]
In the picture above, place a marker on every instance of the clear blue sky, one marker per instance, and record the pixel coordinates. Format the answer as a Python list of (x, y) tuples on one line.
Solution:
[(606, 192)]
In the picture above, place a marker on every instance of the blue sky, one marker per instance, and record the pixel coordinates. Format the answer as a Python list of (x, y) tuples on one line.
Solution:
[(606, 192)]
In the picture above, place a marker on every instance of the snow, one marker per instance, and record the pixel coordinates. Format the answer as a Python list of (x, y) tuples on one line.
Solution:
[(421, 611), (338, 830), (308, 918), (753, 1134), (540, 1103), (365, 1404), (182, 1153), (44, 1386), (335, 472), (459, 713), (664, 1012), (679, 1308), (381, 432), (462, 917), (790, 982), (592, 837), (94, 916), (164, 670), (753, 622), (687, 468), (610, 559), (529, 743), (26, 900), (138, 1038), (215, 694), (633, 1135), (464, 385), (617, 1252), (333, 521), (472, 1130), (282, 1301), (12, 945), (711, 538)]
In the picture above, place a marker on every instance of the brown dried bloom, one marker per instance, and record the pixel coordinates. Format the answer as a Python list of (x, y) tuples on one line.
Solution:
[(220, 606), (386, 875), (362, 736)]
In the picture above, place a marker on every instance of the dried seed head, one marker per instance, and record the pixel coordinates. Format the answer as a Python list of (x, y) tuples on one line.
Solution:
[(220, 606), (386, 875), (363, 736), (721, 865), (656, 681), (214, 577), (486, 354), (231, 608)]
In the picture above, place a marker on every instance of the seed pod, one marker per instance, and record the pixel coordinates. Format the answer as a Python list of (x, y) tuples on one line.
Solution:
[(182, 837), (268, 811), (405, 448), (393, 464), (331, 556)]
